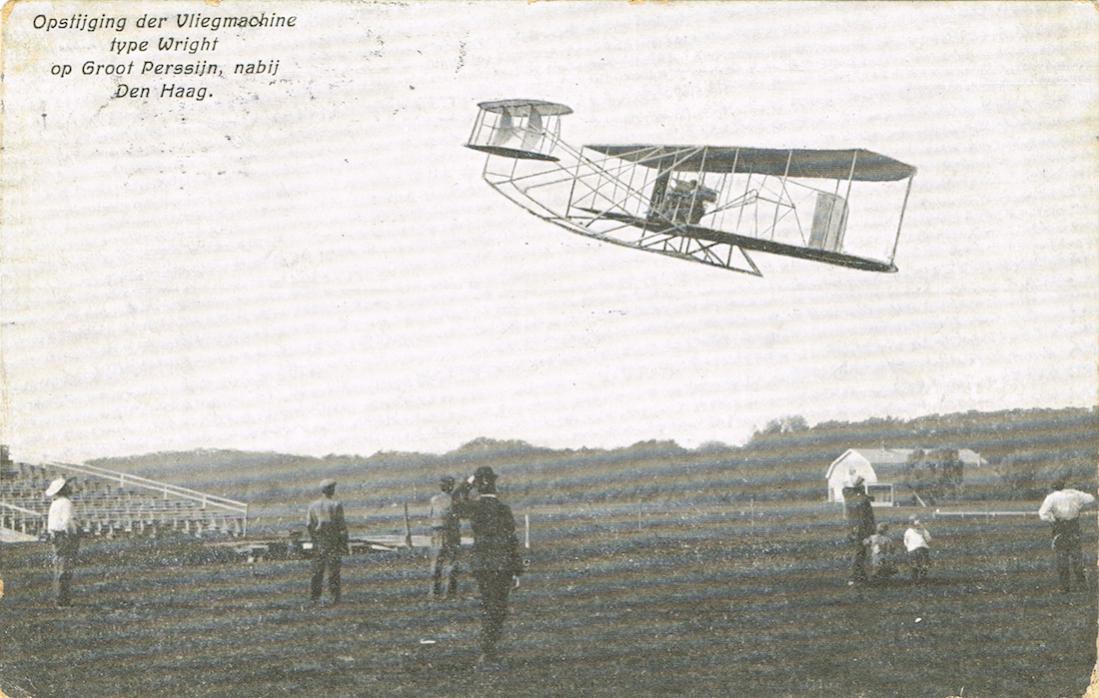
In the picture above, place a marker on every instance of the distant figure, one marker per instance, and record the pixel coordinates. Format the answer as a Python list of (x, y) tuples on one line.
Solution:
[(881, 554), (1061, 508), (328, 529), (860, 526), (917, 542), (64, 534), (497, 563), (446, 540)]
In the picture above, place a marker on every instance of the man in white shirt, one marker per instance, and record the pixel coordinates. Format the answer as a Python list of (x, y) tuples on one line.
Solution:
[(64, 533), (1061, 508)]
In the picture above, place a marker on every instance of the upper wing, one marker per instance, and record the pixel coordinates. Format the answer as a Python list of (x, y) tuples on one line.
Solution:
[(858, 164)]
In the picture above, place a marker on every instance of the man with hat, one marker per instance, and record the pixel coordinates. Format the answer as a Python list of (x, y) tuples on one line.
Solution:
[(328, 529), (496, 559), (64, 534), (860, 525), (1061, 508), (446, 540)]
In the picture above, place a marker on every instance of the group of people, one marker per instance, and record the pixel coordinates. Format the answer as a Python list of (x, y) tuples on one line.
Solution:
[(874, 555), (497, 563), (496, 560)]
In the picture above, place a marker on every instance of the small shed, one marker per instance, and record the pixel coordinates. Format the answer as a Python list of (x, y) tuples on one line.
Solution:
[(881, 467)]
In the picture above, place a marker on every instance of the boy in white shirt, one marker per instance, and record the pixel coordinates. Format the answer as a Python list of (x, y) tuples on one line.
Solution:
[(917, 542)]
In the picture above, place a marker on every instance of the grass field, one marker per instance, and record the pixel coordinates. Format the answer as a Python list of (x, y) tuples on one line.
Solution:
[(697, 602)]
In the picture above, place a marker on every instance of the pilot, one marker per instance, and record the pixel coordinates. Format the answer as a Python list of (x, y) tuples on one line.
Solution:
[(678, 201)]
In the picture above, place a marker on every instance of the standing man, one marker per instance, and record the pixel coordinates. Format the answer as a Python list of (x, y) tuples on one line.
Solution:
[(328, 529), (64, 534), (497, 563), (1062, 509), (446, 540), (860, 526)]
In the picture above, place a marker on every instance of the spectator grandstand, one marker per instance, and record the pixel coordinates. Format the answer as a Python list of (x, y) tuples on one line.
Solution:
[(110, 503)]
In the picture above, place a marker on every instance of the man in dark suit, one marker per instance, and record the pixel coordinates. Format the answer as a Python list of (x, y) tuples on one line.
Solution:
[(860, 526), (497, 563)]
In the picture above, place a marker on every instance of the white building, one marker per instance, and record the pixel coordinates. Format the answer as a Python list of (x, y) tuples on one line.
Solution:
[(881, 467)]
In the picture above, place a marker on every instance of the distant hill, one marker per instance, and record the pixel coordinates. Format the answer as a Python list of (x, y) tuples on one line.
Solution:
[(786, 459)]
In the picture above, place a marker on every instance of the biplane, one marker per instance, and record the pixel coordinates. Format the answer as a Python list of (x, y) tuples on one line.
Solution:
[(707, 204)]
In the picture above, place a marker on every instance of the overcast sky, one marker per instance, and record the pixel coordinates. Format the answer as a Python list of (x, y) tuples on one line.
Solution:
[(310, 263)]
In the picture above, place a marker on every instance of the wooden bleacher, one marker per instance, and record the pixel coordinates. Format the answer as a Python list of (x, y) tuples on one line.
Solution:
[(109, 503)]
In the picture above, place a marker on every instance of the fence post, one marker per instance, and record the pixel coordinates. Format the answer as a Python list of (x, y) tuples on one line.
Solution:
[(407, 527), (526, 531), (639, 515)]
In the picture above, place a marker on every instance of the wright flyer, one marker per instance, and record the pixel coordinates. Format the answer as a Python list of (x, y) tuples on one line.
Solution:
[(548, 349)]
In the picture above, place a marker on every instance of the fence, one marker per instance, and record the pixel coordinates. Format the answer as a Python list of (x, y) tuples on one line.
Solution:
[(124, 479), (164, 489), (977, 514), (19, 519)]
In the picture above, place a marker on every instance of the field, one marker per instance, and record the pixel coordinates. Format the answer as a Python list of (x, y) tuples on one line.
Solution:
[(693, 602)]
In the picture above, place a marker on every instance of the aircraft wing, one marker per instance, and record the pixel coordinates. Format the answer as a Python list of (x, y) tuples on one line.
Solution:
[(861, 165), (747, 242)]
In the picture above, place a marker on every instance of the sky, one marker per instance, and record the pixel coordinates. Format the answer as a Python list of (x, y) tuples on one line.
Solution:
[(309, 262)]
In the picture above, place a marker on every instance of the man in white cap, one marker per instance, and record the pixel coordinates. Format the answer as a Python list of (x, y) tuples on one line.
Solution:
[(64, 533), (328, 529), (1061, 508)]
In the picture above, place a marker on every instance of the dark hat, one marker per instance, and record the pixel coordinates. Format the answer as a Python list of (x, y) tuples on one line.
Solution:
[(446, 481), (484, 473)]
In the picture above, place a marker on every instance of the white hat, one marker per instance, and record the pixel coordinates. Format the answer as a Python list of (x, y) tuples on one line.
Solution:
[(56, 486)]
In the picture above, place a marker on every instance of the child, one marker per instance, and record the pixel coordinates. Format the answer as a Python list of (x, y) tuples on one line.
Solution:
[(916, 541), (881, 553)]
